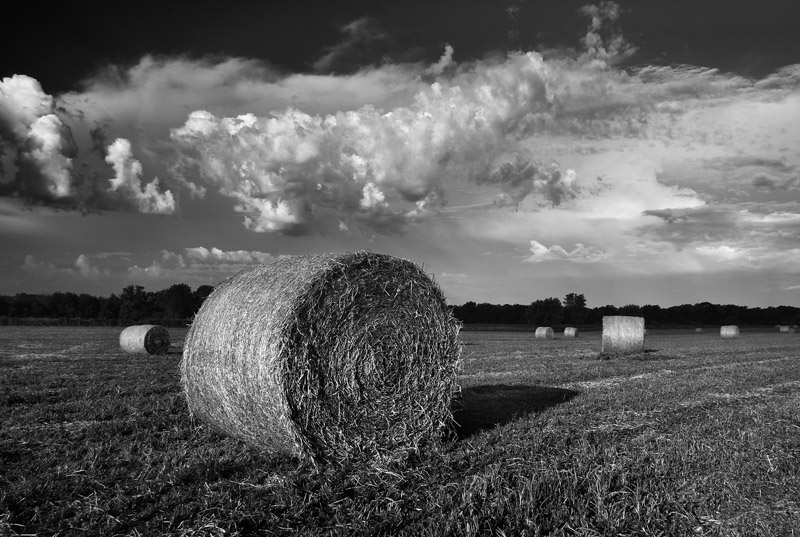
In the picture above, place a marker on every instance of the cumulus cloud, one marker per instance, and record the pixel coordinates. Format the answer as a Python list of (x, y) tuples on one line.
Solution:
[(127, 181), (82, 268), (377, 166), (36, 145), (603, 41), (169, 265), (214, 254), (581, 254), (381, 147)]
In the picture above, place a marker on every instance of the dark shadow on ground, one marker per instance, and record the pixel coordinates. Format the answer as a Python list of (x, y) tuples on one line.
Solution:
[(483, 407)]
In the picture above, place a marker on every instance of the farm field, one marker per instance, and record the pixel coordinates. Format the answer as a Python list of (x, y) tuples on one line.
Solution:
[(695, 436)]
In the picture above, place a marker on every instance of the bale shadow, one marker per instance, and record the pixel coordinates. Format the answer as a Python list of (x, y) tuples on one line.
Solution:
[(483, 407)]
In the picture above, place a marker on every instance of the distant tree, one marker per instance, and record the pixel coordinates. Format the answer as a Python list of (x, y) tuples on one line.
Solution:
[(133, 304), (88, 306), (176, 301), (630, 309), (574, 301), (545, 312), (574, 308), (651, 314), (109, 308)]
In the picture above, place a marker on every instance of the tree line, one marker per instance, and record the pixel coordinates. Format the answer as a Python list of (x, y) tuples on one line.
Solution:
[(572, 310), (173, 306), (177, 304)]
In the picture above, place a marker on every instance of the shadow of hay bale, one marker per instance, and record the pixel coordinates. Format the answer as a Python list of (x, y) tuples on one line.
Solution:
[(483, 407)]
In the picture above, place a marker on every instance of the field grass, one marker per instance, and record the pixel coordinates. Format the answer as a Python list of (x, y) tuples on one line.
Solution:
[(695, 436)]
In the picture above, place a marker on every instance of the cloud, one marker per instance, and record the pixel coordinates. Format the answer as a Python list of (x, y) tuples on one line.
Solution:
[(730, 224), (170, 265), (581, 254), (453, 275), (603, 41), (35, 144), (86, 269), (444, 62), (520, 178), (127, 181), (198, 264), (82, 268), (390, 145), (365, 42), (246, 257), (285, 169)]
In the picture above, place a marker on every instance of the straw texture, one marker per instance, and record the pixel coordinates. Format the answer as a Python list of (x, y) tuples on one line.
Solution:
[(326, 357), (570, 332), (145, 339), (622, 334), (730, 331)]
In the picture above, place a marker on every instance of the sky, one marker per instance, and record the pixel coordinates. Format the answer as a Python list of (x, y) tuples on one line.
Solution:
[(635, 152)]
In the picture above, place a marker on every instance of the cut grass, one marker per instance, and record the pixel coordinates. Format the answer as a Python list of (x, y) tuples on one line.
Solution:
[(699, 436)]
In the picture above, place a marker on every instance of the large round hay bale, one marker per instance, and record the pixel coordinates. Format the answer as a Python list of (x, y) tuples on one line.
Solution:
[(145, 339), (570, 332), (784, 329), (698, 330), (730, 331), (622, 334), (544, 332), (328, 357)]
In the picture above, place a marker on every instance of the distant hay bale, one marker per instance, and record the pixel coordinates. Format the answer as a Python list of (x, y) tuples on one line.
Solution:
[(544, 332), (331, 358), (570, 332), (784, 329), (730, 331), (698, 330), (622, 334), (145, 339)]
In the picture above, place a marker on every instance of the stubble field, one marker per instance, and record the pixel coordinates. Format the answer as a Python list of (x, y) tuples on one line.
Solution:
[(695, 436)]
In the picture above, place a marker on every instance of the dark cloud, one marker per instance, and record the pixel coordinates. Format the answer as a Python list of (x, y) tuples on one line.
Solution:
[(365, 43), (686, 226)]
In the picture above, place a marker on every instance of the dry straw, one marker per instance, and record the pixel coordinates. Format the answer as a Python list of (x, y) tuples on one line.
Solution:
[(622, 334), (145, 339), (544, 332), (570, 332), (333, 358), (698, 330), (730, 331), (783, 329)]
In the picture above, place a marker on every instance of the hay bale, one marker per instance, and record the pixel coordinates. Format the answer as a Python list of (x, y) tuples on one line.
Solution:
[(784, 329), (622, 334), (145, 339), (331, 358), (544, 332), (730, 331), (698, 330), (570, 332)]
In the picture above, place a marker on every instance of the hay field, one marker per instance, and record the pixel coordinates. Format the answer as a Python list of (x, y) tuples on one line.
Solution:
[(698, 435)]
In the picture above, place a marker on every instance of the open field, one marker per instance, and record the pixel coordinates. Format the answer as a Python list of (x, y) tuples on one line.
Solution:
[(695, 436)]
